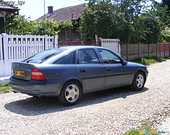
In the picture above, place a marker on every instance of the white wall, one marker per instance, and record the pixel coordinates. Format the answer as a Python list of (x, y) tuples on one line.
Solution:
[(112, 44)]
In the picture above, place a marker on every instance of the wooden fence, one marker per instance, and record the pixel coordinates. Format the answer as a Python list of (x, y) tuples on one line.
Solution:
[(135, 51), (18, 47)]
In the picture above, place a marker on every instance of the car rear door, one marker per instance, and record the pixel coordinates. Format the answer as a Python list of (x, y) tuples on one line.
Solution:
[(114, 70), (90, 69)]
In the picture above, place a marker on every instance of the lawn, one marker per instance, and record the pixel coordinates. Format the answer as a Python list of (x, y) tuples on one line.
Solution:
[(5, 88), (145, 131), (150, 60)]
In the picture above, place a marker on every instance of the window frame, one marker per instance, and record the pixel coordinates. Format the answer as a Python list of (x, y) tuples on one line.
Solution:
[(42, 60), (74, 58), (94, 50), (101, 59)]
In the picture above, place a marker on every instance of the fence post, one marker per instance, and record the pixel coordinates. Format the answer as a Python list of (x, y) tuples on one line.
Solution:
[(127, 51), (5, 46), (138, 51), (148, 49), (158, 51), (56, 45), (119, 47), (45, 37)]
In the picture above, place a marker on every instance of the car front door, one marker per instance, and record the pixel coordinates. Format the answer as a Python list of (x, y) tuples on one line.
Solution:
[(90, 69), (114, 69)]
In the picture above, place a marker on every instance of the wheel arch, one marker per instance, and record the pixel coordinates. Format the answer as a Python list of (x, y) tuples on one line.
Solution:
[(74, 80), (141, 71)]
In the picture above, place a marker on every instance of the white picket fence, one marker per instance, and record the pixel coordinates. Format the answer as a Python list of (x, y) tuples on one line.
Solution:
[(112, 44), (18, 47), (1, 53)]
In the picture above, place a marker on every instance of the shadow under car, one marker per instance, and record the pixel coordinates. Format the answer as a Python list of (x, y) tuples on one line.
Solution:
[(37, 106)]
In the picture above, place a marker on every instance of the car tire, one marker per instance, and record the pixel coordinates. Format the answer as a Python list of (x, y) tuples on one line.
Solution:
[(36, 97), (138, 81), (71, 93)]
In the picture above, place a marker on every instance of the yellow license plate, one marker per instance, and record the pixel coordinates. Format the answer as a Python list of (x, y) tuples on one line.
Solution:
[(19, 73)]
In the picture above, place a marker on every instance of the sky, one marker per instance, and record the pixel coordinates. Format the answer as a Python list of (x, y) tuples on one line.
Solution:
[(34, 9)]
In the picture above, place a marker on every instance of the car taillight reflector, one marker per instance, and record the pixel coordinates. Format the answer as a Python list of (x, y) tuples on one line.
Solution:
[(36, 74)]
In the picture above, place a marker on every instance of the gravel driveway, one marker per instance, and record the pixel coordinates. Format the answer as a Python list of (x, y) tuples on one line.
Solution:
[(111, 112)]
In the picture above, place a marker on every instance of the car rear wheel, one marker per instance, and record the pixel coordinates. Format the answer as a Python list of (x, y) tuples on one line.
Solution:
[(139, 81), (71, 93)]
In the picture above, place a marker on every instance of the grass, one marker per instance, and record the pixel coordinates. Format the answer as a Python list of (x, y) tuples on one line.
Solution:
[(150, 60), (5, 88), (144, 131)]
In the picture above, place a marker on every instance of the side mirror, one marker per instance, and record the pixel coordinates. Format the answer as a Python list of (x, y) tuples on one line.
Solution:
[(124, 62)]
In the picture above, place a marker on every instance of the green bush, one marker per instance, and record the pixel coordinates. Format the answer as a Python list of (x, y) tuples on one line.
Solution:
[(145, 131), (165, 35), (22, 26)]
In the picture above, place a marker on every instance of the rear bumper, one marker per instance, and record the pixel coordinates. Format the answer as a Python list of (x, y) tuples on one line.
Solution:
[(35, 88)]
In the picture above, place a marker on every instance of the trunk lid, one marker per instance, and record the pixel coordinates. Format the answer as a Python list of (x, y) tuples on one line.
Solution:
[(22, 70)]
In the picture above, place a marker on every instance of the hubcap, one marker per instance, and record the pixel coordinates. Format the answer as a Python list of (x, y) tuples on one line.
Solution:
[(140, 81), (72, 93)]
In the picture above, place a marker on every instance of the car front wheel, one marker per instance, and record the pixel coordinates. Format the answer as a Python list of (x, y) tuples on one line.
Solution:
[(139, 81), (70, 93)]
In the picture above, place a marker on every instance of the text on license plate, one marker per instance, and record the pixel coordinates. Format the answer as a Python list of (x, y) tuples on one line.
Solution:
[(19, 73)]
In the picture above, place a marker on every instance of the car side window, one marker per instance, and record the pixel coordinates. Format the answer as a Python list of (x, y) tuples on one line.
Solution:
[(68, 59), (87, 56), (108, 57)]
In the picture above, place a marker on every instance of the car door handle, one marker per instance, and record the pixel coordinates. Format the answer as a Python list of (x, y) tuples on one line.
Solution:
[(82, 70)]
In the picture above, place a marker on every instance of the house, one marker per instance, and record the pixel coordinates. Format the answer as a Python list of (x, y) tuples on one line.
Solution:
[(64, 14), (72, 13), (6, 10)]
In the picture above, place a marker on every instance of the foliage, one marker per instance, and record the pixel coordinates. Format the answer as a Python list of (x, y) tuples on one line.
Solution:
[(166, 3), (65, 25), (165, 35), (147, 60), (21, 25), (145, 131), (150, 60), (4, 88), (45, 27), (98, 19), (129, 20)]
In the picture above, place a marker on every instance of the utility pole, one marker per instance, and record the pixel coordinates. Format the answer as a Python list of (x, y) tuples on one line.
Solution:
[(44, 10)]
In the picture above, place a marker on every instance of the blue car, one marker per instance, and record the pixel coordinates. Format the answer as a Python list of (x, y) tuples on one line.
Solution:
[(70, 72)]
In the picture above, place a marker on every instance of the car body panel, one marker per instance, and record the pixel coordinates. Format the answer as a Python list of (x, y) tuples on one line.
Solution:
[(92, 77)]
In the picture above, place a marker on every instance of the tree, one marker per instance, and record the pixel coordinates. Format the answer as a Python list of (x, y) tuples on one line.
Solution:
[(47, 27), (98, 19), (20, 25), (166, 2), (8, 17), (128, 20)]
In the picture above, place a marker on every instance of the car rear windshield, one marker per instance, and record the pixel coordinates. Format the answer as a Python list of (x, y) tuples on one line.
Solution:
[(42, 56)]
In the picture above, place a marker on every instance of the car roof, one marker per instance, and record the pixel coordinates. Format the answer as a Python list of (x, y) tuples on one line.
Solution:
[(79, 47)]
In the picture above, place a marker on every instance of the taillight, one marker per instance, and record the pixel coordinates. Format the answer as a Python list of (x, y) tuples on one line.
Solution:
[(36, 74)]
